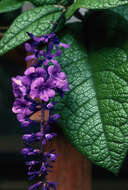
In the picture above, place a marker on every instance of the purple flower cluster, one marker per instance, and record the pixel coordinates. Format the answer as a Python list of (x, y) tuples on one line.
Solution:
[(34, 92)]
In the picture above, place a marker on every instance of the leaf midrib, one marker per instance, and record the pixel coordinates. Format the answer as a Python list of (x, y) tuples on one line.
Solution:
[(98, 106)]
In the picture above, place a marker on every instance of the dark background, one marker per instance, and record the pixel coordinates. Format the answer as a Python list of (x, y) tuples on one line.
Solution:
[(12, 169)]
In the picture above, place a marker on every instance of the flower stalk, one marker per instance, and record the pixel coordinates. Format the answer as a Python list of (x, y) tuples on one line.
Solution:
[(35, 92)]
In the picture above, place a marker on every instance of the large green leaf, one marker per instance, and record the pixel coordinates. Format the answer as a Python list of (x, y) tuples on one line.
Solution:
[(50, 2), (94, 113), (94, 4), (10, 5), (37, 21)]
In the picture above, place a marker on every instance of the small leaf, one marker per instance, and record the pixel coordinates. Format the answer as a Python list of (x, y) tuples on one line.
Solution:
[(50, 2), (38, 21), (94, 112), (10, 5), (94, 4)]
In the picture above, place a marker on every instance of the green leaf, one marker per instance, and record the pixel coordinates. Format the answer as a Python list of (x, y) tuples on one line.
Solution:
[(94, 113), (38, 21), (50, 2), (10, 5), (94, 4)]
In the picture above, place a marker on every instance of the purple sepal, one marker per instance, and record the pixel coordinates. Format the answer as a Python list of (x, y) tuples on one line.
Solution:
[(35, 186), (49, 136), (29, 138), (55, 117), (51, 156)]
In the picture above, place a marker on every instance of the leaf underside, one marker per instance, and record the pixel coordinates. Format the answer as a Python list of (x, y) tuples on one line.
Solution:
[(38, 21), (94, 114)]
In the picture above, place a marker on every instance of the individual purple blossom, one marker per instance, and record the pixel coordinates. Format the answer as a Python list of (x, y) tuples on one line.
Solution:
[(19, 86), (49, 136), (59, 77), (51, 156), (30, 151), (49, 186), (22, 106), (32, 73), (57, 42), (44, 38), (29, 138), (35, 186), (23, 118), (32, 163), (41, 89), (49, 57), (55, 117), (34, 174), (39, 135), (34, 56), (51, 105), (52, 185), (25, 151)]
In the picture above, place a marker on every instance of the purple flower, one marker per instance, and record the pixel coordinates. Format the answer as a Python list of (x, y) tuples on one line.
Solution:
[(44, 38), (22, 106), (32, 73), (29, 138), (35, 186), (25, 151), (49, 186), (44, 187), (52, 185), (39, 135), (41, 89), (37, 54), (33, 92), (34, 174), (19, 86), (44, 168), (55, 117), (49, 136), (51, 156), (51, 105), (58, 43), (24, 119), (58, 77), (30, 151), (32, 163), (49, 58)]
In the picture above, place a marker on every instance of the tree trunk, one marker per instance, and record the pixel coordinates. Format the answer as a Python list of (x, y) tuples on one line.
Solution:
[(71, 170)]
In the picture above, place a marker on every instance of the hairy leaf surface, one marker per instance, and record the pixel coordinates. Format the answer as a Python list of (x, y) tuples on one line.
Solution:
[(38, 21), (10, 5), (50, 2), (94, 4), (94, 113)]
